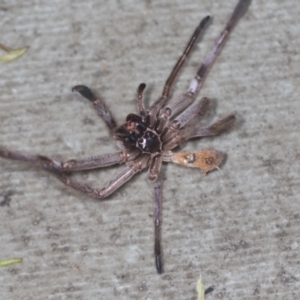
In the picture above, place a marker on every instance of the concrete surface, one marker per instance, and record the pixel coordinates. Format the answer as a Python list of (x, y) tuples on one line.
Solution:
[(239, 227)]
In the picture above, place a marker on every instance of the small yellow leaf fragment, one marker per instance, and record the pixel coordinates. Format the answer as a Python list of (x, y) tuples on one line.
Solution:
[(206, 160), (11, 54), (10, 261), (200, 289)]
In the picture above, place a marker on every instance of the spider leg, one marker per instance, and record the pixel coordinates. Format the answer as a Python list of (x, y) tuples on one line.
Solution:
[(191, 131), (98, 105), (181, 128), (157, 185), (140, 100), (111, 186), (194, 112), (152, 111), (93, 162), (178, 104), (88, 163), (211, 56), (58, 169), (182, 58), (154, 168), (216, 128)]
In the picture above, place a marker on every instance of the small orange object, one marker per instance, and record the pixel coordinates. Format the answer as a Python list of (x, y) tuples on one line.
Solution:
[(206, 160)]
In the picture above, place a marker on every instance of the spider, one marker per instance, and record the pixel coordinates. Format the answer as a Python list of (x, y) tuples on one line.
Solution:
[(147, 139)]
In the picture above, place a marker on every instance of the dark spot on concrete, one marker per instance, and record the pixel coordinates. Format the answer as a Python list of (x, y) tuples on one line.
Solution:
[(88, 121), (54, 246), (281, 234), (39, 253), (244, 245), (236, 246), (7, 198), (53, 236), (114, 237), (143, 287), (84, 248), (286, 278), (13, 271), (256, 291), (71, 288), (25, 240), (270, 162)]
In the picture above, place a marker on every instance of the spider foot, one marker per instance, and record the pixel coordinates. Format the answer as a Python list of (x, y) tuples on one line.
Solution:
[(84, 91), (158, 263)]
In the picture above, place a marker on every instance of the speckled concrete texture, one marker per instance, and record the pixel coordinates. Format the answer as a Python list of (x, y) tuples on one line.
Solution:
[(238, 227)]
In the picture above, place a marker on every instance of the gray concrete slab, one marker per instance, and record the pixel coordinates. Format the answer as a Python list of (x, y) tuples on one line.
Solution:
[(238, 227)]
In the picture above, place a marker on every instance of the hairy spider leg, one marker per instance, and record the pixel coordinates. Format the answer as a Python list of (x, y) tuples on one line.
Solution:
[(154, 109), (140, 100), (98, 105), (178, 104), (157, 191), (60, 169)]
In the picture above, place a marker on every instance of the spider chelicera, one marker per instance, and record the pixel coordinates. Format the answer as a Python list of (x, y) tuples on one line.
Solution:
[(147, 139)]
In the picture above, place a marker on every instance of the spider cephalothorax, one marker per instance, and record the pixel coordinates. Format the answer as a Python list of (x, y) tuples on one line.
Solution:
[(136, 134), (148, 139)]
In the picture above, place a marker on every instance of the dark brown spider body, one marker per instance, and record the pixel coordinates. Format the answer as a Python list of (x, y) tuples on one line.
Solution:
[(135, 134), (148, 139)]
